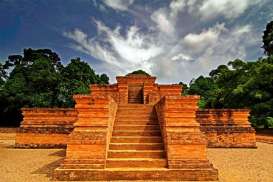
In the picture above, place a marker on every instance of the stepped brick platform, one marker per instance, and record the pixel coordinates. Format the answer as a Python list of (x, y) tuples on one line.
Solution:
[(136, 152), (227, 128), (136, 130), (45, 127)]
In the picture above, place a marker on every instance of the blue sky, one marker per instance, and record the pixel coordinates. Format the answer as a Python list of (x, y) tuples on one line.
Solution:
[(174, 40)]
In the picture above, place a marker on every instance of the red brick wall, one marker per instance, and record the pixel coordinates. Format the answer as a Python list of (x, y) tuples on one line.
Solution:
[(104, 90), (152, 92), (184, 143), (172, 90), (227, 127), (45, 127), (90, 138)]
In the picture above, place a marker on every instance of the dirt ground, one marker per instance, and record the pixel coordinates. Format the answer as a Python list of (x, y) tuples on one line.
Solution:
[(36, 165)]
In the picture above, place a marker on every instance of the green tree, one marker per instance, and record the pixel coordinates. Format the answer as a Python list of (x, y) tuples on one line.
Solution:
[(239, 84), (268, 39), (76, 78), (38, 79), (207, 89), (32, 82), (2, 75), (104, 79), (139, 72), (185, 88)]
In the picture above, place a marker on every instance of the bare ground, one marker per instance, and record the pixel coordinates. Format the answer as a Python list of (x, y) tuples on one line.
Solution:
[(234, 165)]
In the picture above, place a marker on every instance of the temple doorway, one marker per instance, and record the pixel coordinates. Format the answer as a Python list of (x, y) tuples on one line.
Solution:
[(135, 94)]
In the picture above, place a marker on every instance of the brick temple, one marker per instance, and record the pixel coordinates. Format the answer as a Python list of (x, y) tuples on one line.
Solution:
[(135, 129)]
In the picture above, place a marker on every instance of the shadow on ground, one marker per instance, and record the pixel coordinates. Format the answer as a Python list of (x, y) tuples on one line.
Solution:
[(48, 169)]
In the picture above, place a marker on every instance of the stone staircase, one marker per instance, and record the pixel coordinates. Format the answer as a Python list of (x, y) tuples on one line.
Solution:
[(136, 139), (136, 152)]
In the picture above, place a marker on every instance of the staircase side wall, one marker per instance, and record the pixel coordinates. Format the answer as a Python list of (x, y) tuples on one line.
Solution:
[(45, 127), (185, 144), (227, 127), (90, 138)]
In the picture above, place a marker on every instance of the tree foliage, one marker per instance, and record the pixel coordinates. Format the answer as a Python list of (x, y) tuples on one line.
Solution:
[(239, 84), (268, 39), (38, 79), (76, 78), (139, 72)]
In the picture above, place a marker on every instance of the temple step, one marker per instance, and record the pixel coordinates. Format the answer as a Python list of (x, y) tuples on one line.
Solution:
[(136, 162), (136, 154), (136, 127), (136, 139), (137, 173), (136, 133), (136, 146), (133, 121), (135, 100), (135, 117), (135, 111), (135, 106)]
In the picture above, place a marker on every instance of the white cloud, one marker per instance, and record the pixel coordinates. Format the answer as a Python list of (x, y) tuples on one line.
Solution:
[(181, 56), (166, 18), (163, 21), (198, 53), (242, 29), (119, 4), (91, 47), (165, 51), (192, 55), (134, 47), (198, 42), (177, 6), (212, 9), (125, 53), (228, 8)]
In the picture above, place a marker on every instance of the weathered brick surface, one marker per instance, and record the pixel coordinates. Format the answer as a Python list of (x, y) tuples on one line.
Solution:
[(45, 127), (159, 174), (227, 127), (89, 140), (152, 92), (184, 143)]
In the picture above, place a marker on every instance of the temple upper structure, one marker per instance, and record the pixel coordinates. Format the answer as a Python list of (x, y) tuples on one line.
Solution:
[(136, 88)]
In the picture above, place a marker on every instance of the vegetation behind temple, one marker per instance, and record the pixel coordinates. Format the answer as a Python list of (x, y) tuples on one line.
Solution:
[(241, 84), (38, 79)]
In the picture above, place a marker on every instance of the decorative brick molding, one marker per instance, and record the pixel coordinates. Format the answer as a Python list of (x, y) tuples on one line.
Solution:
[(227, 127), (184, 143), (45, 127)]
